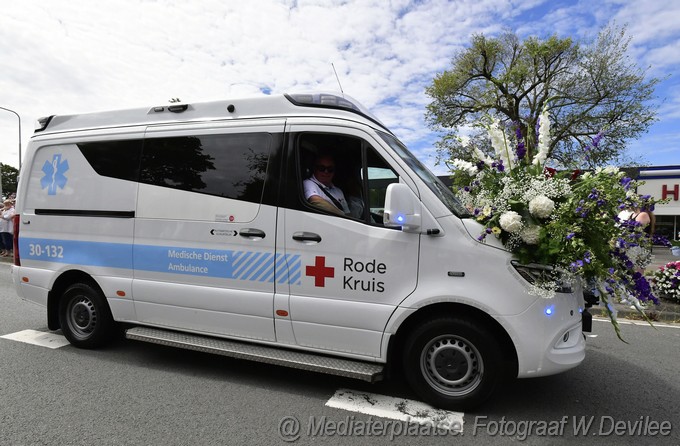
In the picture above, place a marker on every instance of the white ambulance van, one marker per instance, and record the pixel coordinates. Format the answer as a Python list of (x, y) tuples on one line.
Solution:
[(187, 225)]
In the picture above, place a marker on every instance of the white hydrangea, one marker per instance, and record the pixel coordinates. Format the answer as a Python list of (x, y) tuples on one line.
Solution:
[(541, 206), (530, 234), (511, 222)]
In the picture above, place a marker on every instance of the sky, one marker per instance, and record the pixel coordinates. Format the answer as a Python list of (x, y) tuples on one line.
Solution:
[(79, 56)]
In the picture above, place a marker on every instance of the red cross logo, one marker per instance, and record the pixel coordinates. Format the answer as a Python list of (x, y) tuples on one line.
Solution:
[(320, 271)]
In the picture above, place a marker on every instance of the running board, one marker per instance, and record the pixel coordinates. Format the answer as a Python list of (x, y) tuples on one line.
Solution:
[(365, 371)]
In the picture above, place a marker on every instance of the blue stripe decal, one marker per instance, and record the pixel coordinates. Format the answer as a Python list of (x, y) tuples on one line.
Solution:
[(225, 264), (269, 273), (113, 255)]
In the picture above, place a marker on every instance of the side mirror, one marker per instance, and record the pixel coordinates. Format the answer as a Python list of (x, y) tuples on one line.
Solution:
[(402, 208)]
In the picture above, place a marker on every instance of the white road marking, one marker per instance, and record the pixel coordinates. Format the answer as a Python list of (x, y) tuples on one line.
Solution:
[(41, 338), (639, 323), (396, 409)]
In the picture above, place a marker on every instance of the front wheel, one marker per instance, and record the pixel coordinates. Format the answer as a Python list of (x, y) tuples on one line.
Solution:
[(451, 363), (84, 316)]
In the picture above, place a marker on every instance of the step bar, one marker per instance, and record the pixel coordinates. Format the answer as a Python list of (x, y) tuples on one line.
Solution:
[(365, 371)]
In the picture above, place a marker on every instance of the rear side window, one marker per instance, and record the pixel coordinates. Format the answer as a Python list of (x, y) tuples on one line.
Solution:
[(116, 159), (230, 166)]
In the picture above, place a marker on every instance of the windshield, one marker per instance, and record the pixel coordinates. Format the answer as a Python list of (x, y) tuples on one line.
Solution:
[(435, 184)]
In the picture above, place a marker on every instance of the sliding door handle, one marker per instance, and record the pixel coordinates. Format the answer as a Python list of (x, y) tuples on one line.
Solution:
[(251, 233)]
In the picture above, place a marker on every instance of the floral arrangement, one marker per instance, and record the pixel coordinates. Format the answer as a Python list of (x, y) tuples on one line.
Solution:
[(667, 280), (568, 220)]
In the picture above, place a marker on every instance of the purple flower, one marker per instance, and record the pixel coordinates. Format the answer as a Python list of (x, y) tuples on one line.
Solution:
[(521, 150), (642, 288), (587, 256), (625, 182), (576, 265), (597, 139), (571, 235)]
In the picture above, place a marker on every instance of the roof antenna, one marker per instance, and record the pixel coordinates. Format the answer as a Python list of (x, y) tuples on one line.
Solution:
[(336, 76)]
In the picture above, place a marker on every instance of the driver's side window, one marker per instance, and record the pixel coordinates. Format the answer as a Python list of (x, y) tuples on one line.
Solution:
[(343, 176)]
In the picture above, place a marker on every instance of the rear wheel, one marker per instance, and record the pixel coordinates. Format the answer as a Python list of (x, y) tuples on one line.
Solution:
[(85, 317), (451, 363)]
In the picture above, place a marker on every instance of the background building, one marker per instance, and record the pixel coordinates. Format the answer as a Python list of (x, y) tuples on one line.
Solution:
[(663, 182)]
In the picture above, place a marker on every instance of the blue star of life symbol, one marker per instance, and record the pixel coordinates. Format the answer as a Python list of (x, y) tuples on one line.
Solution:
[(54, 174)]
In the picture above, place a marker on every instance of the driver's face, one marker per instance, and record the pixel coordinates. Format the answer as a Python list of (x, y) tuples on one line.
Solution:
[(324, 169)]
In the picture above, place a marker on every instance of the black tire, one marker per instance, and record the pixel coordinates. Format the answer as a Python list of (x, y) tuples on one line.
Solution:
[(85, 317), (451, 363)]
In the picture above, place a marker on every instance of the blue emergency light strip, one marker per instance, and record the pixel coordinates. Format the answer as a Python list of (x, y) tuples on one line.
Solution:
[(255, 266)]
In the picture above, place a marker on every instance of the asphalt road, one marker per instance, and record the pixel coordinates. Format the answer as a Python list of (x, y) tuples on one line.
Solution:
[(140, 394)]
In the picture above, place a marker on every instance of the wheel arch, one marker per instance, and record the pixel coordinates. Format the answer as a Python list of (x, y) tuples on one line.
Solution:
[(467, 312), (65, 280)]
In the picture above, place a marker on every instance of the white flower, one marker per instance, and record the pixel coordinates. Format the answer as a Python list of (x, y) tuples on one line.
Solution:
[(543, 139), (530, 234), (467, 166), (511, 221), (482, 157), (499, 143), (541, 206)]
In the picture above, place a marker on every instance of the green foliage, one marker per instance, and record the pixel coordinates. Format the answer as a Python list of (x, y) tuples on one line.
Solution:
[(585, 87), (10, 177)]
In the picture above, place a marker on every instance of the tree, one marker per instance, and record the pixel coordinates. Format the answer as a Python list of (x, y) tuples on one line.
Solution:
[(10, 176), (588, 90)]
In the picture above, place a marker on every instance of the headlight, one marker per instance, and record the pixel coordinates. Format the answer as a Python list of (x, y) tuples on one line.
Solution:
[(537, 274)]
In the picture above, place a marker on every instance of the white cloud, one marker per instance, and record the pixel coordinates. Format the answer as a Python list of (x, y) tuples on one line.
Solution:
[(72, 56)]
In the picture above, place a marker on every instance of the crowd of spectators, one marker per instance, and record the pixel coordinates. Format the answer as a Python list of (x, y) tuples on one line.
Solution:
[(7, 226)]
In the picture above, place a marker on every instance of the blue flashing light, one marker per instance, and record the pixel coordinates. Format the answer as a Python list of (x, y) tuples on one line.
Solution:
[(549, 310), (580, 310), (400, 218)]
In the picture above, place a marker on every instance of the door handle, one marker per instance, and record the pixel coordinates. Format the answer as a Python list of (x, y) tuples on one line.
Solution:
[(251, 233), (306, 237)]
